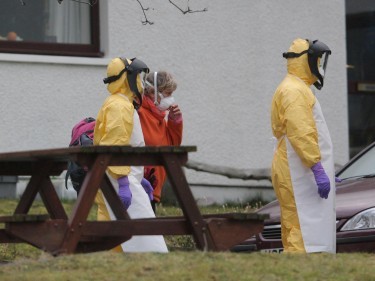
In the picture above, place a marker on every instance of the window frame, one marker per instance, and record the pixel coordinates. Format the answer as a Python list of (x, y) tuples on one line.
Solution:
[(61, 49)]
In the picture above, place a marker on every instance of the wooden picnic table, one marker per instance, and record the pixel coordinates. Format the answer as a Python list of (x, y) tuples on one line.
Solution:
[(60, 233)]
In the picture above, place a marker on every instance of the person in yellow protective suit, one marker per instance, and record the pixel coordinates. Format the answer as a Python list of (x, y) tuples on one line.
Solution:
[(303, 167), (117, 123)]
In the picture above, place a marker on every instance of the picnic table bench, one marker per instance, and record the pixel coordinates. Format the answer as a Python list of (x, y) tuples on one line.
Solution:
[(60, 233)]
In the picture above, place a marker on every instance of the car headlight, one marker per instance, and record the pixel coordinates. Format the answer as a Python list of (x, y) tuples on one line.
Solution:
[(363, 220)]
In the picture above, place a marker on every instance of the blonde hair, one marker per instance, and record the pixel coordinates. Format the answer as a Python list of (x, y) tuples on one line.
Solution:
[(166, 82)]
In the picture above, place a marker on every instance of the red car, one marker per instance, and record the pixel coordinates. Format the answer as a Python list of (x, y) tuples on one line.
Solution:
[(355, 211)]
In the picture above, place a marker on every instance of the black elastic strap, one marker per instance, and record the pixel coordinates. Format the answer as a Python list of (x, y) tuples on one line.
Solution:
[(114, 78), (291, 55)]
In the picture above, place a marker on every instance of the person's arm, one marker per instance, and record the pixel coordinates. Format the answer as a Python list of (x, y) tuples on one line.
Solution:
[(300, 126), (118, 126), (175, 125), (303, 135)]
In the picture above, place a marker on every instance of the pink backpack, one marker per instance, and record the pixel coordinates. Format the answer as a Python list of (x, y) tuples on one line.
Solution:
[(83, 132), (82, 135)]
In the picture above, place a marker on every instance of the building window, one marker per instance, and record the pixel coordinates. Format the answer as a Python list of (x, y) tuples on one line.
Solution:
[(360, 41), (47, 27)]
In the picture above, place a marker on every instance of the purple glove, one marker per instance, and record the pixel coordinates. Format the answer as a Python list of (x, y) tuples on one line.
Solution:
[(321, 179), (148, 188), (124, 191), (338, 179)]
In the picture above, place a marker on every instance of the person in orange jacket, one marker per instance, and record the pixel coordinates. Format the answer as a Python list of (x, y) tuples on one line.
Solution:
[(161, 121)]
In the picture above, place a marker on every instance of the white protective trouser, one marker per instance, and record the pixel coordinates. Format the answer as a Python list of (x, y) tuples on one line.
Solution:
[(140, 204)]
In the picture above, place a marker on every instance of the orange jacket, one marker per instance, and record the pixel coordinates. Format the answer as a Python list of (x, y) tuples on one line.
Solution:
[(158, 132)]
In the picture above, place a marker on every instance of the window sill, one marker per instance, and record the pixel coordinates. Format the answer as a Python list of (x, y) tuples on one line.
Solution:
[(53, 59)]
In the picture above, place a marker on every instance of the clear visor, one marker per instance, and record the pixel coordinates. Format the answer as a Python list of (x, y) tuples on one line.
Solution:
[(322, 64)]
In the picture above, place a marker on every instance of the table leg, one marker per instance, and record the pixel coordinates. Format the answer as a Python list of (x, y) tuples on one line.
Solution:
[(176, 176), (51, 200), (33, 187), (84, 203), (118, 209)]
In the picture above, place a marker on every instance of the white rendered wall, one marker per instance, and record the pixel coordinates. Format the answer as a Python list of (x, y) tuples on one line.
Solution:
[(228, 62)]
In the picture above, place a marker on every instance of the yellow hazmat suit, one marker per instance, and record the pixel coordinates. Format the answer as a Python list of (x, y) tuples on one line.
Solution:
[(114, 124), (118, 123), (307, 221)]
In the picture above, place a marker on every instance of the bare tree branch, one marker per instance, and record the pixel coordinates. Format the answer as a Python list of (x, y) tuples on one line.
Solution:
[(146, 21), (188, 10), (90, 2), (245, 174)]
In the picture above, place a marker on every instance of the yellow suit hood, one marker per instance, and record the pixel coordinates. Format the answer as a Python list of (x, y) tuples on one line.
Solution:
[(299, 66), (121, 85)]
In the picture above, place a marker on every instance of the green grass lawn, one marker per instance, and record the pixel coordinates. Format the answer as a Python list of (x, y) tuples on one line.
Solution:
[(192, 265), (24, 262)]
